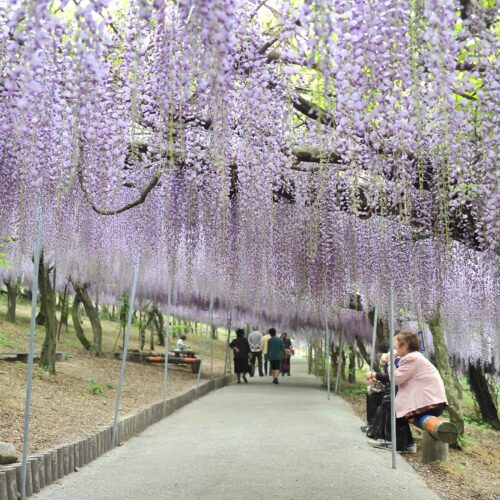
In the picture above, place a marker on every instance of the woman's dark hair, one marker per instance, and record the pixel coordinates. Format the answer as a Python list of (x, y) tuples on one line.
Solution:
[(272, 332), (410, 339), (284, 334), (382, 347), (183, 337), (240, 332)]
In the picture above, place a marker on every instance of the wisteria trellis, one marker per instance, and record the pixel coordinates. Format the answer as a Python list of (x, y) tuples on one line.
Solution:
[(288, 154)]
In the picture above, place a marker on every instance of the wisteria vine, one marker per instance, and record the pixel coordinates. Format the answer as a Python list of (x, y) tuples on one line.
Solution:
[(279, 157)]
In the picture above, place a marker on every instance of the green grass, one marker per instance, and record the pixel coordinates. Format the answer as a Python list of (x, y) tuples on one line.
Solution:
[(356, 389), (96, 389), (7, 344)]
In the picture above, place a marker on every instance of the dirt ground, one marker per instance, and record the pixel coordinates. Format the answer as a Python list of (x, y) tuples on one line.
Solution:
[(472, 473), (81, 396)]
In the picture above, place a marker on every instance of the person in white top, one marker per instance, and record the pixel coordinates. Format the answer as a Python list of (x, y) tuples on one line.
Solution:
[(255, 341), (181, 345)]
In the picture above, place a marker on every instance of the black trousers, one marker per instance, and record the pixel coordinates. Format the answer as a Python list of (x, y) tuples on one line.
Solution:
[(373, 401), (266, 364), (404, 437), (258, 356), (381, 428)]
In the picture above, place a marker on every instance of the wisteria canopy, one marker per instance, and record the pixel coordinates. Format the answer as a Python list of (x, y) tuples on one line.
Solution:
[(276, 156)]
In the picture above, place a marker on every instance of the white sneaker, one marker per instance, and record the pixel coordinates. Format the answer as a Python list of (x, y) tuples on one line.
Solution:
[(411, 449), (381, 444)]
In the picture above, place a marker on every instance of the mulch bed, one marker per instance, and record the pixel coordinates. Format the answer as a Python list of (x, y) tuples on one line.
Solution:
[(80, 397)]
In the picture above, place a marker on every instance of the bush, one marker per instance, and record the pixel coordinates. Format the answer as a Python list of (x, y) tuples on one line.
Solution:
[(96, 389)]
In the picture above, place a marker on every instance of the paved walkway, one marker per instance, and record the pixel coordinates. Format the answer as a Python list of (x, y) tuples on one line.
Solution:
[(255, 441)]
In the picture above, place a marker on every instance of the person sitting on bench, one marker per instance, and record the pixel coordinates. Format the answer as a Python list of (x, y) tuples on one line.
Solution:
[(420, 390), (181, 345), (376, 390)]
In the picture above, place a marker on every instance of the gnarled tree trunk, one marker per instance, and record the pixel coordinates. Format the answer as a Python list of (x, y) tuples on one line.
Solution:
[(63, 302), (352, 364), (48, 308), (82, 297), (161, 327), (75, 316), (12, 291), (481, 390), (382, 328), (444, 367), (362, 349)]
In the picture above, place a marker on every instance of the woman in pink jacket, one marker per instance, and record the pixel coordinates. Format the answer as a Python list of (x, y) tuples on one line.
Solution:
[(420, 389)]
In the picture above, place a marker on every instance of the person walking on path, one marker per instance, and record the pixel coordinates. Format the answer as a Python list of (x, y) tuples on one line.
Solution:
[(265, 340), (255, 341), (275, 353), (241, 350), (288, 350)]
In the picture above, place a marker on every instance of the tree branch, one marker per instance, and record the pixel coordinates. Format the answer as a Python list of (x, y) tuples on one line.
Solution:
[(142, 198), (313, 111), (314, 155)]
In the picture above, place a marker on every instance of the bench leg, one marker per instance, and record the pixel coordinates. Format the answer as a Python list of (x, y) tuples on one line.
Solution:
[(433, 450)]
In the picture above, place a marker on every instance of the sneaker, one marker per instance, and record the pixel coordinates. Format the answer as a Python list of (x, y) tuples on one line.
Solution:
[(381, 444), (364, 428), (412, 448)]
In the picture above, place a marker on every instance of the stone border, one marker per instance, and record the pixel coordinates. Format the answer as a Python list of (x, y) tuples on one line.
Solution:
[(47, 467)]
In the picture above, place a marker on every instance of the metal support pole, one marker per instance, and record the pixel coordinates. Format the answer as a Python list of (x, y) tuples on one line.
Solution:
[(227, 364), (323, 350), (31, 352), (339, 363), (170, 285), (309, 357), (393, 382), (374, 340), (327, 356), (210, 315), (316, 369), (124, 354), (212, 335)]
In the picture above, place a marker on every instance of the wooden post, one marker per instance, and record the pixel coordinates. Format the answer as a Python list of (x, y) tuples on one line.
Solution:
[(433, 450)]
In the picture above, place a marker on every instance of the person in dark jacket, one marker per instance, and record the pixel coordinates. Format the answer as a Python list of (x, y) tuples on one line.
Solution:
[(275, 353), (241, 350), (376, 390), (287, 345)]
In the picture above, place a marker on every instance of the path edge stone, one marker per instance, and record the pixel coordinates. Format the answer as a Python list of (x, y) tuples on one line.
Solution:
[(46, 467)]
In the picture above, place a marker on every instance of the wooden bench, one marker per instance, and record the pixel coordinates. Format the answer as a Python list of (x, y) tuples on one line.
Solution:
[(23, 356), (438, 434), (186, 358)]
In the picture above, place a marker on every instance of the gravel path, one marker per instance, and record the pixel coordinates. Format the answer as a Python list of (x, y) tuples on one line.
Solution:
[(255, 441)]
